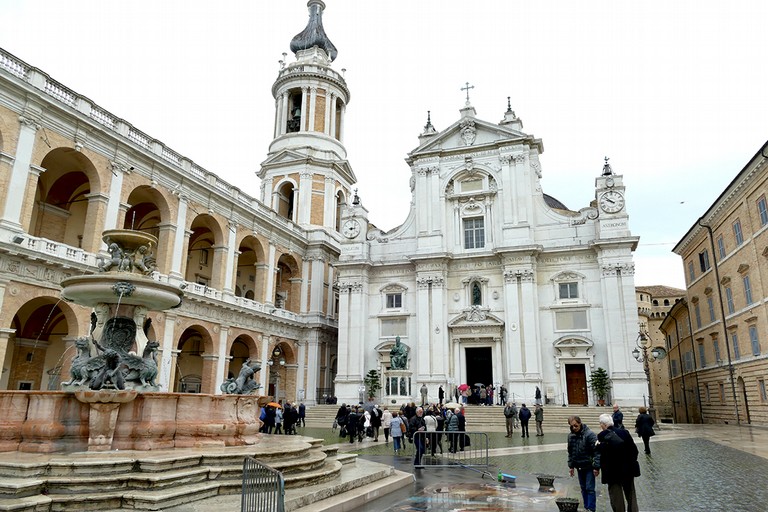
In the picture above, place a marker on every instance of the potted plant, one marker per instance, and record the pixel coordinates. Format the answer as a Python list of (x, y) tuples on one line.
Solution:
[(372, 383), (600, 384)]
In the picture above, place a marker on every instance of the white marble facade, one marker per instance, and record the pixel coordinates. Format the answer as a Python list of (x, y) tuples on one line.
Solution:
[(485, 260)]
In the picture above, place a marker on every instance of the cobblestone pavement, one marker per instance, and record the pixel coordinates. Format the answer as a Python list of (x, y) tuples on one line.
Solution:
[(692, 468)]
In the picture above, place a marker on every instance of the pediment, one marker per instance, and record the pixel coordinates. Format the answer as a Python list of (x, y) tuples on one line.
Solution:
[(476, 317), (468, 133), (290, 157)]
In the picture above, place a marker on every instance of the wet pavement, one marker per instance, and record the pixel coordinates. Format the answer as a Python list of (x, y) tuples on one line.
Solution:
[(691, 468)]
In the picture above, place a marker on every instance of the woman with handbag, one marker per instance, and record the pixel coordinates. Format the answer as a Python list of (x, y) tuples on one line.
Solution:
[(397, 429)]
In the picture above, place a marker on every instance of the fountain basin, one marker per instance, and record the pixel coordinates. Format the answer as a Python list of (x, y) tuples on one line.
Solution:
[(105, 289)]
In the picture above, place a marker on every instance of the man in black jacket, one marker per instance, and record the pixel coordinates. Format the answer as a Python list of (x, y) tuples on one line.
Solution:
[(416, 424), (525, 416), (583, 459), (618, 463)]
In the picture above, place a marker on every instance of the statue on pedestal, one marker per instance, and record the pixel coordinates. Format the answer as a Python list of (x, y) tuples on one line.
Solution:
[(398, 356)]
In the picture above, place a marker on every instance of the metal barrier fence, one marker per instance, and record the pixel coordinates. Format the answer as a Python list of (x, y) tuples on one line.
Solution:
[(263, 488), (442, 449)]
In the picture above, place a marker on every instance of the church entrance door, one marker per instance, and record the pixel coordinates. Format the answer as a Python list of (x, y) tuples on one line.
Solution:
[(576, 381), (479, 365)]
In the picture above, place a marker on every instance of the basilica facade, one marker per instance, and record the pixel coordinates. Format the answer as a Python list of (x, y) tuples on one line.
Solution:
[(487, 280)]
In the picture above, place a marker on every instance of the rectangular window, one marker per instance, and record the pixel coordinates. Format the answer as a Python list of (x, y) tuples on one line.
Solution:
[(754, 340), (722, 392), (735, 346), (674, 367), (394, 300), (691, 272), (474, 233), (569, 290), (702, 357), (761, 387), (762, 209), (688, 361), (747, 290), (704, 260), (707, 396), (697, 312), (729, 299), (721, 247), (204, 256), (716, 345), (391, 327), (570, 320), (737, 232), (711, 306)]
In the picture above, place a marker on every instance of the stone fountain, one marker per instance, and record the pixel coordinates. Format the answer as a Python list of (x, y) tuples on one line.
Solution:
[(112, 400)]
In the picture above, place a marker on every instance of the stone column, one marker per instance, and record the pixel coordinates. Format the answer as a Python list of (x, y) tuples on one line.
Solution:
[(181, 240), (284, 115), (305, 277), (328, 102), (166, 354), (333, 116), (269, 290), (218, 267), (329, 309), (223, 355), (329, 203), (19, 174), (229, 271), (265, 368), (301, 368), (97, 204), (313, 363), (316, 288), (304, 125), (312, 107), (305, 198), (512, 326), (420, 353), (115, 192), (5, 335)]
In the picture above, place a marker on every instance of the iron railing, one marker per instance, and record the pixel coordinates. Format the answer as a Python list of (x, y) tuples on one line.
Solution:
[(466, 449), (263, 488)]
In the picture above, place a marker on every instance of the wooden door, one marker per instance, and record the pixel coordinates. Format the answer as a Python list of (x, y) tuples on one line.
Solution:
[(576, 381)]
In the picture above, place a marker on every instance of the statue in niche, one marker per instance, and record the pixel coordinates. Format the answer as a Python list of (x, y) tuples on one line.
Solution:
[(398, 356)]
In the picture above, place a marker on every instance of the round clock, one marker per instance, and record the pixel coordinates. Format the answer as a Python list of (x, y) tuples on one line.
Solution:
[(612, 201), (609, 182), (351, 228)]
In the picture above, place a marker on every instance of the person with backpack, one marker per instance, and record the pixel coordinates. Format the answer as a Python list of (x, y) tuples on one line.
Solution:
[(417, 424), (583, 460), (398, 428), (509, 414)]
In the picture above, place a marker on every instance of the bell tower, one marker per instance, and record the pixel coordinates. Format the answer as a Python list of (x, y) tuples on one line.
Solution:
[(306, 176)]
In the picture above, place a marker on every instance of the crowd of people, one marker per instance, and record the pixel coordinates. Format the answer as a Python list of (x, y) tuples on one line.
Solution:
[(279, 418), (358, 422)]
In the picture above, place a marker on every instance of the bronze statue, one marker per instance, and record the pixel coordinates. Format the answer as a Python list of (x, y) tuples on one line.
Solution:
[(398, 356)]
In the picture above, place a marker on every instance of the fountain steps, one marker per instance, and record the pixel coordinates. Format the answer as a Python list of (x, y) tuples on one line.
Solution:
[(155, 481)]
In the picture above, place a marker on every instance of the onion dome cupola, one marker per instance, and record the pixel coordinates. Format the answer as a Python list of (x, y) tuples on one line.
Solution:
[(307, 151)]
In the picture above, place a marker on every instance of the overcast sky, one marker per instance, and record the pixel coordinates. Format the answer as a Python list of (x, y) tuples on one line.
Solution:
[(673, 92)]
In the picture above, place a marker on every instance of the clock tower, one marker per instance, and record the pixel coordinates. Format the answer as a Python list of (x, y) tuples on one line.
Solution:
[(612, 220)]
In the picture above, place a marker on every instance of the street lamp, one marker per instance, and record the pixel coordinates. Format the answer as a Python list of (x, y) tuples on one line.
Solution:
[(646, 354)]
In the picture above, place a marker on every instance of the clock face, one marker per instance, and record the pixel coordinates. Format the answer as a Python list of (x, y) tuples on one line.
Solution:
[(612, 201), (351, 229)]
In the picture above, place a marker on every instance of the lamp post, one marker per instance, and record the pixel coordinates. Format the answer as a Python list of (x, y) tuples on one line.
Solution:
[(644, 353), (275, 363)]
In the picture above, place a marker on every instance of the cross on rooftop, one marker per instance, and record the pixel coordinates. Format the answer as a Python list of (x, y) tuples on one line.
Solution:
[(467, 88)]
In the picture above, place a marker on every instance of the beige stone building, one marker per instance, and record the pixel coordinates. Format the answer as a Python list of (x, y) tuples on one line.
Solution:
[(258, 272), (653, 306), (718, 336)]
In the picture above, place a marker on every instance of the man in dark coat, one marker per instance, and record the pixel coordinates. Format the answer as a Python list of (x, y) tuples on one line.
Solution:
[(440, 394), (353, 419), (302, 414), (525, 416), (618, 463), (644, 428), (376, 421), (462, 424), (618, 417), (584, 460), (416, 424)]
